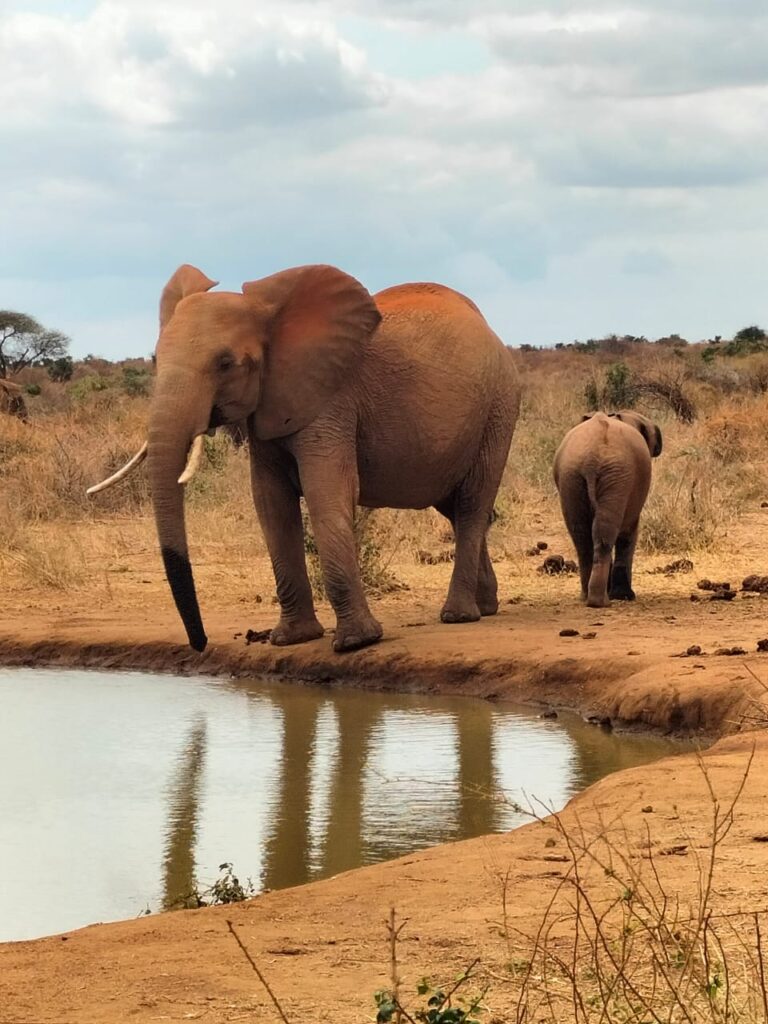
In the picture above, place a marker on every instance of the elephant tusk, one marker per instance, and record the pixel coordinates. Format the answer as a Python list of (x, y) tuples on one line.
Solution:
[(137, 459), (193, 461)]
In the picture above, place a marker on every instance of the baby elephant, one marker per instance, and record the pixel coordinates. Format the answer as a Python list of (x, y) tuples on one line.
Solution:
[(603, 472)]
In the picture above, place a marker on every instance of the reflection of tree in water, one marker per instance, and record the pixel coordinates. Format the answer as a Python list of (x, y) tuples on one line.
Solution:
[(183, 810), (286, 858)]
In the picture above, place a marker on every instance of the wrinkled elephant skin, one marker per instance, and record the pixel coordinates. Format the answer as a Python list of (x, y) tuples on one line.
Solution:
[(406, 399), (603, 474)]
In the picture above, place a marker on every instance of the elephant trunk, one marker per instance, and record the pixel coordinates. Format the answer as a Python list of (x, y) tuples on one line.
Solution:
[(177, 417)]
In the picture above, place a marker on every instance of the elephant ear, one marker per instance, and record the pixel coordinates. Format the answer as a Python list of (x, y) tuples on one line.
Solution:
[(186, 281), (657, 441), (651, 433), (318, 320)]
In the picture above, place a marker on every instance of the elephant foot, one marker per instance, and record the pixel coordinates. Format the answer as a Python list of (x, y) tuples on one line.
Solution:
[(622, 594), (469, 612), (621, 587), (489, 606), (286, 633), (601, 601), (352, 634)]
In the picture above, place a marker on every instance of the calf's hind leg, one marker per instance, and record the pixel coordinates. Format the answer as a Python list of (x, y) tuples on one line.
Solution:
[(621, 575), (603, 540), (578, 516)]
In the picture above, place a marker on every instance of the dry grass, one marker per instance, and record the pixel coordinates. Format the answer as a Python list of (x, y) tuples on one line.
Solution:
[(640, 954), (710, 472)]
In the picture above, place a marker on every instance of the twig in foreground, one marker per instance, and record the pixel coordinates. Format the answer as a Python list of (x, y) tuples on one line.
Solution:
[(258, 973)]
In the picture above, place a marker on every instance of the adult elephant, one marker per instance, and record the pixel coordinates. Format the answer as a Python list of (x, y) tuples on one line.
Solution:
[(404, 400), (12, 400)]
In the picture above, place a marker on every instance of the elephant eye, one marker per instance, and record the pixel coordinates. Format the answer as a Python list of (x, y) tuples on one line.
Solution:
[(225, 361)]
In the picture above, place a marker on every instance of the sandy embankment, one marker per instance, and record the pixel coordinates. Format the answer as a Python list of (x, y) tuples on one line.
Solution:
[(323, 946)]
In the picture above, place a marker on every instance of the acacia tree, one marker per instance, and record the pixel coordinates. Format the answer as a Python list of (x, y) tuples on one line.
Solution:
[(24, 341)]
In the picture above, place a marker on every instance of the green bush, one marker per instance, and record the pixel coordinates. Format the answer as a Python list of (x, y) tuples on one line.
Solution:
[(374, 570), (136, 382), (61, 369), (82, 389), (619, 391)]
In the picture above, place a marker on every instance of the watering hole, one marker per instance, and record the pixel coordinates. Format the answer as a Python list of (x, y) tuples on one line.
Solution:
[(120, 792)]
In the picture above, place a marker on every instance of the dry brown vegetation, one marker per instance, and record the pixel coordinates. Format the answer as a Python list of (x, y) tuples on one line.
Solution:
[(616, 943), (56, 537)]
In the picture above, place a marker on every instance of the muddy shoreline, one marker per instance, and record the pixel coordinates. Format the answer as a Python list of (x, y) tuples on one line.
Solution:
[(528, 664)]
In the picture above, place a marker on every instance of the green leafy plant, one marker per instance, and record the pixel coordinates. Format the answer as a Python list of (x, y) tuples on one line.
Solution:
[(592, 395), (82, 389), (620, 391), (226, 889), (437, 1005)]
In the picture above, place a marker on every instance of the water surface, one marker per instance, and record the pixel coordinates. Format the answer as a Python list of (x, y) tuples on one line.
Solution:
[(120, 791)]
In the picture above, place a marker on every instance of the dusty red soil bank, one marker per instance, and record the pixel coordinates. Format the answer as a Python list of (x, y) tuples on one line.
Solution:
[(625, 672)]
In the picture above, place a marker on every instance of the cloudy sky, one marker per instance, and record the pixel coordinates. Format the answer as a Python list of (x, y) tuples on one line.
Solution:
[(576, 166)]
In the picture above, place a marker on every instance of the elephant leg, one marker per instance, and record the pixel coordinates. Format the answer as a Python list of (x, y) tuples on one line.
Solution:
[(487, 586), (461, 604), (277, 506), (472, 589), (582, 541), (603, 539), (621, 576), (330, 488), (578, 516)]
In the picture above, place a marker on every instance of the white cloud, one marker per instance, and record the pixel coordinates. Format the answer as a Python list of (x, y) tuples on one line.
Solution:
[(624, 141)]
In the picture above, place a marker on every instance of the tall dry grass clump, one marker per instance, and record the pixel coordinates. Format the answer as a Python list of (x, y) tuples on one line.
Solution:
[(632, 949), (712, 468), (52, 530)]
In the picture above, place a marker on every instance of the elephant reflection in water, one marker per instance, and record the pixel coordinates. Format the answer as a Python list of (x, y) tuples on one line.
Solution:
[(344, 845), (478, 783), (288, 853), (291, 857), (179, 860)]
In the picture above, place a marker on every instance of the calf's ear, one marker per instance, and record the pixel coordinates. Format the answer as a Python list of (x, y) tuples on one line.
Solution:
[(652, 436), (658, 442)]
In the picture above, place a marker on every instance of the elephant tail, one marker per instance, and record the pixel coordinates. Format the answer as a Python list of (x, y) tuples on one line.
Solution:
[(591, 481)]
